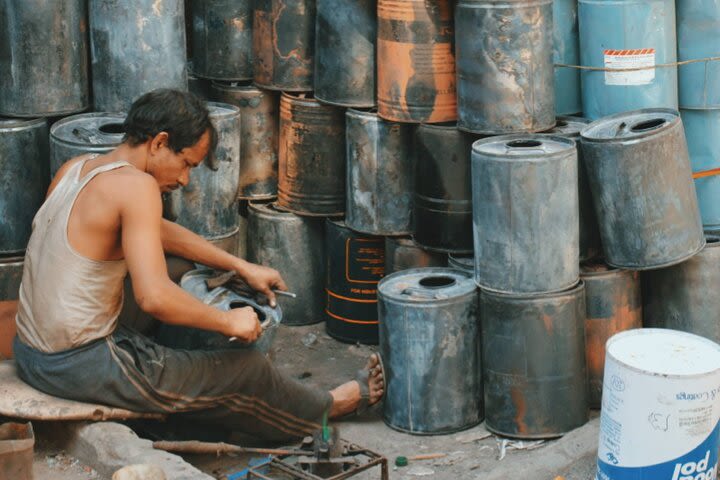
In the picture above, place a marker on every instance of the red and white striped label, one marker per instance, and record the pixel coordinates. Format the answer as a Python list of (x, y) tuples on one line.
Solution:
[(630, 58)]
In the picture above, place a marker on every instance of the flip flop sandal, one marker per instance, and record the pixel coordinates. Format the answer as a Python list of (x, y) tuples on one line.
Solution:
[(362, 376)]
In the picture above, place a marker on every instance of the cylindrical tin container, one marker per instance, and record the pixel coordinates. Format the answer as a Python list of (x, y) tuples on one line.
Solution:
[(534, 363), (430, 345), (284, 44), (84, 133), (698, 36), (566, 49), (379, 175), (11, 270), (273, 238), (625, 34), (505, 66), (43, 58), (229, 242), (660, 415), (641, 182), (525, 213), (222, 39), (685, 296), (443, 200), (613, 304), (354, 266), (402, 253), (465, 263), (24, 179), (416, 61), (345, 37), (311, 168), (136, 47), (259, 133)]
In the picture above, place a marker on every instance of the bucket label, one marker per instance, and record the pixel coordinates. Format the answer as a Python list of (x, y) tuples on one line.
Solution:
[(634, 58)]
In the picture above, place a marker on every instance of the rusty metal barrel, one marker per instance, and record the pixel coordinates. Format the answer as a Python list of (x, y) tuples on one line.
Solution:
[(613, 304), (685, 296), (416, 61), (566, 49), (402, 253), (222, 39), (379, 175), (11, 270), (534, 363), (430, 345), (525, 213), (311, 169), (345, 38), (136, 47), (505, 66), (43, 58), (24, 179), (355, 264), (274, 237), (284, 44), (443, 199), (259, 132), (642, 187), (84, 133)]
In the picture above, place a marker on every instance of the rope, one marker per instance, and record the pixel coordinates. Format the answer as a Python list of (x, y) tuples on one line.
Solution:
[(635, 69)]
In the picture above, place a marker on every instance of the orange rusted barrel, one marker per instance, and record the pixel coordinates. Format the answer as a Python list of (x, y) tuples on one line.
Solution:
[(416, 61)]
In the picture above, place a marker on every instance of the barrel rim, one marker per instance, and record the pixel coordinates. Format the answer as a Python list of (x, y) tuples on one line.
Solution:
[(120, 116), (571, 291), (657, 266), (464, 285), (370, 114), (569, 121), (222, 110), (529, 436), (712, 240), (12, 259), (348, 105), (449, 126), (269, 209), (610, 119), (569, 144), (226, 86), (293, 98), (10, 124), (609, 270), (404, 240)]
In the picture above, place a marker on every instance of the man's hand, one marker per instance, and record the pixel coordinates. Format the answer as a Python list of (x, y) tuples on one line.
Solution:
[(263, 280), (243, 323)]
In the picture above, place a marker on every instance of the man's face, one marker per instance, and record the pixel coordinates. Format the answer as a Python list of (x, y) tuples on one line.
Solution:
[(172, 169)]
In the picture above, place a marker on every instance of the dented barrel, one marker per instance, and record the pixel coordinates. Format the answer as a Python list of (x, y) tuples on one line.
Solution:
[(402, 253), (505, 66), (566, 50), (416, 61), (698, 37)]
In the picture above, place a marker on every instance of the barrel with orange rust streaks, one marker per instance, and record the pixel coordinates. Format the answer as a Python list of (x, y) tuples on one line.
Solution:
[(416, 61)]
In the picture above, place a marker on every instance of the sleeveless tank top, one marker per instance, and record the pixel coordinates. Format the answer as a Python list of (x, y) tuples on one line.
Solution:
[(66, 300)]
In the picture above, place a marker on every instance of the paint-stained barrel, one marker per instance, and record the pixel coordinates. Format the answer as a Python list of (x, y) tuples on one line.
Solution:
[(566, 50), (525, 213), (533, 363), (84, 133), (416, 61), (11, 270), (379, 174), (430, 345), (641, 182), (698, 36), (402, 253), (43, 58), (443, 200), (354, 265), (259, 133), (465, 263), (284, 44), (24, 179), (613, 304), (311, 168)]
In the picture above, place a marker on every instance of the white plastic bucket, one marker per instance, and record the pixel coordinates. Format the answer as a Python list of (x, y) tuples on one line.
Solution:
[(660, 407)]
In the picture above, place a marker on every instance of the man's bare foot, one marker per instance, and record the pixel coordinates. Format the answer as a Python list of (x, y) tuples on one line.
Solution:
[(347, 396)]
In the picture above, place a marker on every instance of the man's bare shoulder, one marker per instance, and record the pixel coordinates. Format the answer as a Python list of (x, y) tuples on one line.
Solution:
[(129, 183)]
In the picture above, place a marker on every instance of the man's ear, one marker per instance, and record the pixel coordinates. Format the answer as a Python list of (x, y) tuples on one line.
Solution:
[(158, 142)]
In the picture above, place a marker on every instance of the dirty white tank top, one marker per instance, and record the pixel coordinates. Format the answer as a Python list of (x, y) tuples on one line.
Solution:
[(66, 300)]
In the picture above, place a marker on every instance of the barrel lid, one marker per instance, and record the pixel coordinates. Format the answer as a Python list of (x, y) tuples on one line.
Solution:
[(523, 146), (631, 125), (426, 284), (270, 209), (100, 129), (7, 124), (222, 110), (665, 352), (569, 126)]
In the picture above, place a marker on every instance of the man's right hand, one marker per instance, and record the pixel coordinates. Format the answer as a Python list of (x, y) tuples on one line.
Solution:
[(243, 323)]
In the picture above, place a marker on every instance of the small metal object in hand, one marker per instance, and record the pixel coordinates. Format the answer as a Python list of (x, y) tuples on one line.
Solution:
[(283, 293)]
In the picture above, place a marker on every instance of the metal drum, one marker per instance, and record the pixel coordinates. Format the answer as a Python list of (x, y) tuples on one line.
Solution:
[(379, 175), (24, 179), (259, 133), (136, 47), (613, 304), (534, 363), (416, 61), (222, 39), (566, 49), (345, 37), (627, 34), (402, 253), (198, 86), (525, 213), (284, 44), (84, 133), (465, 263), (443, 200), (685, 296), (505, 66), (430, 345), (43, 58), (698, 36), (273, 238), (354, 266), (640, 177), (311, 171), (11, 270)]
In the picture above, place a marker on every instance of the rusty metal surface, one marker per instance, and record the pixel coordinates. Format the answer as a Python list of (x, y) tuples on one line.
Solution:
[(311, 159), (17, 442), (416, 61), (402, 253), (284, 44), (505, 66), (43, 58), (534, 363)]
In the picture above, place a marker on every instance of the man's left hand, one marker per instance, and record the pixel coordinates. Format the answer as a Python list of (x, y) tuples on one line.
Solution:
[(264, 280)]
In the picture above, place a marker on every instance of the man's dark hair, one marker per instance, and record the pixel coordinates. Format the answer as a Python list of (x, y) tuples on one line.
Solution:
[(181, 114)]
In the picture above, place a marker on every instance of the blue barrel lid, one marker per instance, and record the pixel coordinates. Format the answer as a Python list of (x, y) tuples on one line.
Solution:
[(523, 146), (636, 124), (426, 285), (100, 129)]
